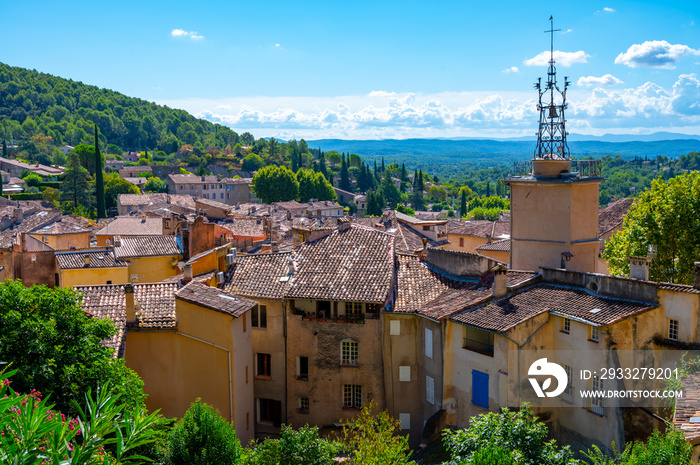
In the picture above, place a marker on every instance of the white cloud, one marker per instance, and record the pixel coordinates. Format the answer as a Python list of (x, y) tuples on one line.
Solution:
[(567, 31), (608, 10), (654, 54), (383, 114), (603, 81), (562, 58), (278, 46), (182, 33), (512, 69)]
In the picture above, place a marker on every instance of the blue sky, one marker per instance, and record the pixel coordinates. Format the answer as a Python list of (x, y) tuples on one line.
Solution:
[(375, 69)]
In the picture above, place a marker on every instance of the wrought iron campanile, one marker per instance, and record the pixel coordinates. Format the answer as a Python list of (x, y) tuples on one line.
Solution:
[(551, 136)]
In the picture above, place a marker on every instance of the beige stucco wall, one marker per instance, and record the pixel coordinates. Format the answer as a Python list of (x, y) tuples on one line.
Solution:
[(153, 269), (270, 340), (501, 256), (548, 218), (195, 362), (91, 276), (65, 241), (321, 342), (470, 242)]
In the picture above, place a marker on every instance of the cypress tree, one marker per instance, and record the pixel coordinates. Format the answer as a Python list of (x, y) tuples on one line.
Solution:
[(463, 205), (295, 163), (4, 154), (322, 165), (383, 167), (420, 181), (99, 180), (488, 189), (345, 176)]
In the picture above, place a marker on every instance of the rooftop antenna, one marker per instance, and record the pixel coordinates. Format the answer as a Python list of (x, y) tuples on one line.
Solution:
[(551, 136)]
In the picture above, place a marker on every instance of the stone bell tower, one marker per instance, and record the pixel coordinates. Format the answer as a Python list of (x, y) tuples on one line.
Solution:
[(554, 200)]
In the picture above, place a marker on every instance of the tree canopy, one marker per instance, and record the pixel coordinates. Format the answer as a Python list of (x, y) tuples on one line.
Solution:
[(664, 219), (313, 185), (57, 348), (275, 184)]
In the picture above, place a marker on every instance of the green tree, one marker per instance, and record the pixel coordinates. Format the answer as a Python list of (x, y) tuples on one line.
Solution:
[(75, 188), (4, 155), (155, 185), (202, 437), (33, 180), (664, 217), (302, 446), (57, 348), (463, 204), (322, 164), (275, 184), (515, 436), (390, 192), (252, 162), (115, 186), (670, 448), (313, 185), (374, 440), (344, 176), (99, 180)]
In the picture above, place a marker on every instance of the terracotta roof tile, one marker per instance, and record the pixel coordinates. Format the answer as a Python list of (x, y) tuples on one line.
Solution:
[(679, 288), (136, 200), (146, 246), (355, 264), (497, 246), (247, 227), (612, 216), (688, 407), (258, 276), (133, 226), (97, 259), (156, 301), (504, 314), (214, 299), (61, 226)]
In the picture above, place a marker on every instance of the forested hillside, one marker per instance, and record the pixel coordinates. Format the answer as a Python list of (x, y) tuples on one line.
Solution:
[(32, 103)]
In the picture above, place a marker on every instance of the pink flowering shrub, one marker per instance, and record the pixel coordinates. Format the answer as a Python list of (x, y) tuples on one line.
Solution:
[(32, 432)]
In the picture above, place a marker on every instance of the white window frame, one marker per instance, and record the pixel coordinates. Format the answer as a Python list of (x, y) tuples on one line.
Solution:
[(566, 325), (597, 402), (405, 373), (394, 327), (595, 334), (352, 396), (428, 343), (349, 352), (430, 390)]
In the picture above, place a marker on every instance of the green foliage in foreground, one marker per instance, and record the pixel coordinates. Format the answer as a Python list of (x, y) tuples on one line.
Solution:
[(509, 437), (202, 437), (57, 349), (105, 431), (301, 446), (660, 449)]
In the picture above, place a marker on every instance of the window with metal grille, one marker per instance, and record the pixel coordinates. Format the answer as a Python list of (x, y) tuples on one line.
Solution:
[(673, 329), (352, 396), (349, 353), (263, 365)]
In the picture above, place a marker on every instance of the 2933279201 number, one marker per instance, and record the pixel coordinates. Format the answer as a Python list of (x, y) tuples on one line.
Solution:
[(638, 373)]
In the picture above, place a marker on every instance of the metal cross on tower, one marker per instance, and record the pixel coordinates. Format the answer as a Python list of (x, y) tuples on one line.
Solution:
[(551, 136)]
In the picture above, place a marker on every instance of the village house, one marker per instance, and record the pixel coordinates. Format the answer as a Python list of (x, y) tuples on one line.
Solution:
[(225, 190), (15, 168), (63, 234), (95, 266), (435, 230), (468, 235), (151, 258), (126, 226)]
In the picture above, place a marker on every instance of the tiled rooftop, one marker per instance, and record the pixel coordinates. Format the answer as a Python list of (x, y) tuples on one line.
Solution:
[(258, 276), (147, 246), (156, 301), (504, 314), (612, 216), (97, 259), (481, 228), (497, 246), (246, 227), (679, 288), (142, 199), (214, 299), (688, 407), (60, 227), (354, 264), (133, 226), (213, 203)]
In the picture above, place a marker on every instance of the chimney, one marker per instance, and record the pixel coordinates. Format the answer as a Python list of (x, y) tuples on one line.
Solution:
[(500, 277), (18, 215), (696, 283), (87, 261), (187, 272), (639, 268), (130, 307)]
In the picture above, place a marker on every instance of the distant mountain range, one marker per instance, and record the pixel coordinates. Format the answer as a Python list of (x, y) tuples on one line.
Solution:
[(493, 151)]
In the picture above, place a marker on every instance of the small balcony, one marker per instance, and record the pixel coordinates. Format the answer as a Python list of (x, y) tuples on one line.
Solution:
[(484, 348)]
